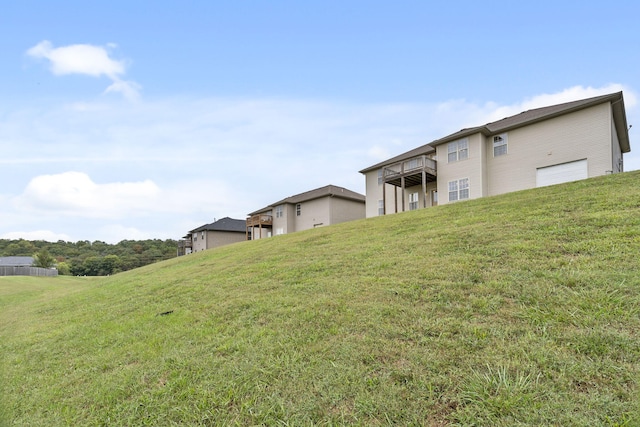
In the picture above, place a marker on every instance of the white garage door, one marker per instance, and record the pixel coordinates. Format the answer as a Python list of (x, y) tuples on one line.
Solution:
[(558, 174)]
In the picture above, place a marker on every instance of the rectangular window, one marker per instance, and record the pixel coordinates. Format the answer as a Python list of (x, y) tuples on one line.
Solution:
[(298, 210), (459, 190), (380, 177), (500, 145), (279, 211), (413, 201), (380, 207), (458, 150)]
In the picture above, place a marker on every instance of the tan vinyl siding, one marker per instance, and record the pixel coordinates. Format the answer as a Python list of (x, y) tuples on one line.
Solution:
[(313, 213), (220, 238), (616, 152), (585, 134), (374, 194), (343, 210), (472, 168)]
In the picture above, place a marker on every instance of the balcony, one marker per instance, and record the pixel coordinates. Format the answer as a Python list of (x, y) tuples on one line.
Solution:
[(186, 243), (260, 220), (415, 171)]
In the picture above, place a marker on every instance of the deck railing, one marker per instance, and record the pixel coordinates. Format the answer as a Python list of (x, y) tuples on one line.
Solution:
[(415, 164), (260, 219)]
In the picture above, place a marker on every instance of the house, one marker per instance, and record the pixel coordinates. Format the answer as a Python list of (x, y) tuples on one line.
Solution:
[(16, 261), (219, 233), (316, 208), (543, 146), (23, 266)]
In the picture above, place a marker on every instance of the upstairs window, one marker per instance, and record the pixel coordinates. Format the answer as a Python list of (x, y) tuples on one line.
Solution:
[(458, 150), (380, 177), (459, 190), (298, 210), (500, 145), (279, 211)]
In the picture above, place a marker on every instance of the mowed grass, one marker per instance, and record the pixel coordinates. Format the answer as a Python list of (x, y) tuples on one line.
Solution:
[(522, 309)]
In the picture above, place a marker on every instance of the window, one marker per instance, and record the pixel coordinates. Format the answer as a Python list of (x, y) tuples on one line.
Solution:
[(298, 210), (500, 145), (380, 177), (459, 190), (380, 207), (413, 201), (458, 150), (279, 211)]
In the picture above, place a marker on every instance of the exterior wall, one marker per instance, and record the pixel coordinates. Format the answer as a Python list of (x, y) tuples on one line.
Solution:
[(585, 134), (616, 151), (199, 241), (342, 210), (472, 168), (313, 213), (216, 238)]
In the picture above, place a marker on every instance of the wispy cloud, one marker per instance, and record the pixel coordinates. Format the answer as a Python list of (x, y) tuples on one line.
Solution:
[(89, 60)]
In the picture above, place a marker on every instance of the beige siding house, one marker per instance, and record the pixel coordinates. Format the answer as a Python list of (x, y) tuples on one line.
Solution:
[(543, 146), (219, 233), (316, 208)]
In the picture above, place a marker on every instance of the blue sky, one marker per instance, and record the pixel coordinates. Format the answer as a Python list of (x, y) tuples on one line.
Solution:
[(134, 120)]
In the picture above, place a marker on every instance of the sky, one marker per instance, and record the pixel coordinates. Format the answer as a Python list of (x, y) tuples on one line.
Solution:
[(144, 120)]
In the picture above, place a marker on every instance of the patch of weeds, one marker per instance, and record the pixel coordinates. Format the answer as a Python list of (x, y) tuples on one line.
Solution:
[(497, 394)]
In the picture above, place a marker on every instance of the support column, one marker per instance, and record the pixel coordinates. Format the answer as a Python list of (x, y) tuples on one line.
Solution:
[(402, 186), (424, 188)]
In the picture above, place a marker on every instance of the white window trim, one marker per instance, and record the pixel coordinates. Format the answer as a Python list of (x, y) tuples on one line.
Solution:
[(459, 189), (500, 141), (460, 148), (413, 201)]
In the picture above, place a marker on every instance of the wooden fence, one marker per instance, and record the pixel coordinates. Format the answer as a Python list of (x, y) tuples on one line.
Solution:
[(27, 271)]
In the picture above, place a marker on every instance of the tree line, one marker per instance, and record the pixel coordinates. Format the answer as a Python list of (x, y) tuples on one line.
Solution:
[(85, 258)]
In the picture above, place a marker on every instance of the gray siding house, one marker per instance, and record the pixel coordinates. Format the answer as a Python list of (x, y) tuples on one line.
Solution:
[(316, 208), (218, 233), (538, 147)]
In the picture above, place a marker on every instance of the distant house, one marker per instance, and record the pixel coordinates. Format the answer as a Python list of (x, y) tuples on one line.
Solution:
[(219, 233), (316, 208), (23, 266), (543, 146), (16, 261)]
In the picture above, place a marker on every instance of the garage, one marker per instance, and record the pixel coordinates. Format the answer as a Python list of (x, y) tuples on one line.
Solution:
[(565, 172)]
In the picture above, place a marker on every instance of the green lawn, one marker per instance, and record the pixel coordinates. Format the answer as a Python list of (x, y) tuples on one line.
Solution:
[(522, 309)]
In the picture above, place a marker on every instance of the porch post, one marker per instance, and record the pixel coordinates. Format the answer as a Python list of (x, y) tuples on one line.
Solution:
[(424, 188), (402, 185)]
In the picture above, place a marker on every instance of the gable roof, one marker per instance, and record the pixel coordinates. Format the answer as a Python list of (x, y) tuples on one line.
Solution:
[(224, 224), (326, 191), (527, 118), (16, 261)]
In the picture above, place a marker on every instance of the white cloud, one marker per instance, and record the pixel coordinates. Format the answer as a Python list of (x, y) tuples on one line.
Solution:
[(75, 194), (88, 60), (46, 235)]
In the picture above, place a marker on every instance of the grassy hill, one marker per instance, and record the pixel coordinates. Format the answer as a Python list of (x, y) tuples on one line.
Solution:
[(522, 309)]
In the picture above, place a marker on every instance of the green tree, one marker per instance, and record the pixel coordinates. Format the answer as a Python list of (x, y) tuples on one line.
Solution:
[(64, 268), (43, 259)]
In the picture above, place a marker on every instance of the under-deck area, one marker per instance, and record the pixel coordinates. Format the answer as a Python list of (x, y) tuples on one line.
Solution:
[(260, 221), (409, 173)]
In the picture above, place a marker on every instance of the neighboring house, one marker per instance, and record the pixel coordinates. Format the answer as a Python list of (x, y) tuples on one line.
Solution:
[(16, 261), (219, 233), (543, 146), (316, 208), (23, 266)]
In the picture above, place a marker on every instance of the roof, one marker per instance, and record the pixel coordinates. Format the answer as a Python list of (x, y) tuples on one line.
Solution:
[(224, 224), (524, 119), (326, 191), (16, 261)]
